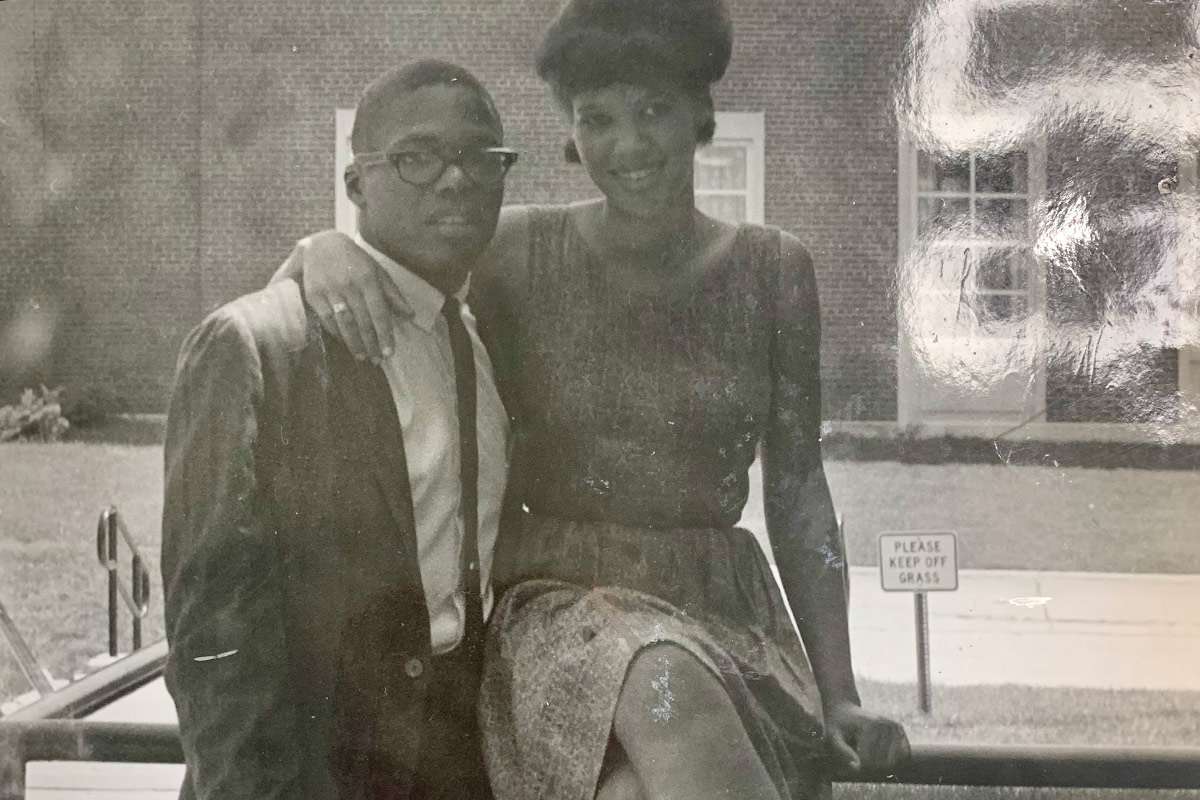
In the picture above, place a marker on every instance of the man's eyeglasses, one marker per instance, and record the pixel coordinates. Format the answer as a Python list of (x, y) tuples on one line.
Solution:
[(486, 166)]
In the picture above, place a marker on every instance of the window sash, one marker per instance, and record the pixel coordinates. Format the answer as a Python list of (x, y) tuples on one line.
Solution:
[(745, 130)]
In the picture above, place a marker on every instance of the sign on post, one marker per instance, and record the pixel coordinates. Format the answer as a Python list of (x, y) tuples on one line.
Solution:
[(919, 562)]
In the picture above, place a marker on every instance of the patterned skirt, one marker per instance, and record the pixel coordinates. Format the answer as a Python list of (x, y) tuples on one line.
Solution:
[(586, 597)]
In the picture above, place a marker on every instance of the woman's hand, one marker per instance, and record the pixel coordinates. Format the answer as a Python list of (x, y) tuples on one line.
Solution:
[(349, 292), (864, 742)]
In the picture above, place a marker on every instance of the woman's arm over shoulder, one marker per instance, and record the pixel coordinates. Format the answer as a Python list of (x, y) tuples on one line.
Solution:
[(346, 289), (290, 268)]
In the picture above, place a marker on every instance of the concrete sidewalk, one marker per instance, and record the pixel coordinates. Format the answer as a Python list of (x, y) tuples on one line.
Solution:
[(1090, 630), (1094, 630)]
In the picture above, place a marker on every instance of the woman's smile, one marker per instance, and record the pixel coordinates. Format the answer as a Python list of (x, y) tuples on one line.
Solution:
[(641, 178)]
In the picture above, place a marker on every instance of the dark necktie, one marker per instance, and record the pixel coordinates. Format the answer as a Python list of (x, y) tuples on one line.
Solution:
[(464, 380)]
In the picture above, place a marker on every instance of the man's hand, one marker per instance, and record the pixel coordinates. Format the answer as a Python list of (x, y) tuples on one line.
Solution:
[(864, 742), (349, 292)]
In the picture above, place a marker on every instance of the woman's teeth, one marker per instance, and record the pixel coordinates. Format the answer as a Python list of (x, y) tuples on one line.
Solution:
[(638, 174)]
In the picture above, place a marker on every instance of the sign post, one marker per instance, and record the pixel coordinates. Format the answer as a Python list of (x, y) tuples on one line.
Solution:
[(924, 689), (919, 562)]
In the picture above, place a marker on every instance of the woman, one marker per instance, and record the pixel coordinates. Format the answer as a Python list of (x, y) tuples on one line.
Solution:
[(646, 353)]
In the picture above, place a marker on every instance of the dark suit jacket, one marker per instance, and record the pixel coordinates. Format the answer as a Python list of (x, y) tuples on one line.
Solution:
[(299, 636)]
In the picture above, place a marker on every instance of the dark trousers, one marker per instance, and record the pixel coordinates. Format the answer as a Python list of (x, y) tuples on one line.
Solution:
[(451, 750)]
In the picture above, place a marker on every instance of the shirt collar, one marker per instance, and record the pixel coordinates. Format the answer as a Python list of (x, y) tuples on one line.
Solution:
[(424, 301)]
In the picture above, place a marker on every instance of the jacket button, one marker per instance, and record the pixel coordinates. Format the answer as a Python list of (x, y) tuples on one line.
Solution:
[(413, 668)]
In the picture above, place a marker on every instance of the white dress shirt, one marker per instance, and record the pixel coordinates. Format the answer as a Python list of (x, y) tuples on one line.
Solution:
[(420, 372)]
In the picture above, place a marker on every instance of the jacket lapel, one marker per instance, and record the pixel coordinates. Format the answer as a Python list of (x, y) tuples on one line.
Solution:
[(363, 416), (363, 400)]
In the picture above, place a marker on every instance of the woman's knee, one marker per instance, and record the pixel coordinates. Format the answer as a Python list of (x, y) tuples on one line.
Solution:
[(668, 691), (681, 731)]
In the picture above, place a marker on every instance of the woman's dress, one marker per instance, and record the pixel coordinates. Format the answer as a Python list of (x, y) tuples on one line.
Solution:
[(637, 417)]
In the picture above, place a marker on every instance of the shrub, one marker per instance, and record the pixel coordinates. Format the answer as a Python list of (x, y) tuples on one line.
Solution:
[(89, 406), (37, 416)]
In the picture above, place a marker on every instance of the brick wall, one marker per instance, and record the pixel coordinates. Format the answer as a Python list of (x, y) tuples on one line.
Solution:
[(99, 192), (196, 143), (160, 157), (822, 72)]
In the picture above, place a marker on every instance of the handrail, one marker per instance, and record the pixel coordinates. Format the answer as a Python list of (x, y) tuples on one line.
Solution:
[(137, 594), (25, 658), (78, 740), (92, 692), (931, 764), (48, 730), (1049, 766)]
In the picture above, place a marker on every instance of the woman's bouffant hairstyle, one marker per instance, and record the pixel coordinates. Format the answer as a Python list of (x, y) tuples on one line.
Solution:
[(596, 43)]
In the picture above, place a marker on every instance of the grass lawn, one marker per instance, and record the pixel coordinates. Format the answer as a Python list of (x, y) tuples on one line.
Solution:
[(1022, 517), (1018, 517), (50, 579)]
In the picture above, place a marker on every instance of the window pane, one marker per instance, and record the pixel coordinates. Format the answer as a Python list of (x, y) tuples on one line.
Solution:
[(939, 213), (1001, 217), (721, 167), (1007, 173), (999, 307), (1002, 268), (943, 175), (730, 208)]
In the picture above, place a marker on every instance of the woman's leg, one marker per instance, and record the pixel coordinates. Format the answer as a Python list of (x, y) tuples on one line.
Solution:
[(621, 784), (682, 734)]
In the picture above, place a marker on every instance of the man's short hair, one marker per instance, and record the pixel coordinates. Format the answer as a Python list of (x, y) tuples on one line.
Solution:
[(373, 105)]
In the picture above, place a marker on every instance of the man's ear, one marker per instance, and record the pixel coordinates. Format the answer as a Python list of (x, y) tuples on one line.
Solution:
[(353, 178)]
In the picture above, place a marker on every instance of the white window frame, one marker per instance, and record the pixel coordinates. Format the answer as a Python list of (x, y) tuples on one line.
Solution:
[(1189, 287), (345, 213), (907, 395), (746, 129), (979, 243)]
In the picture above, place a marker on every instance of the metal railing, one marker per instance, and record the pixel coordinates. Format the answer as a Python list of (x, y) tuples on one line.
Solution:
[(109, 531), (93, 692), (27, 662), (931, 765), (77, 740), (49, 730)]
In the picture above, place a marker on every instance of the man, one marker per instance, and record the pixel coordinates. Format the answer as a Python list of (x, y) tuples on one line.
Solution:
[(328, 523)]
